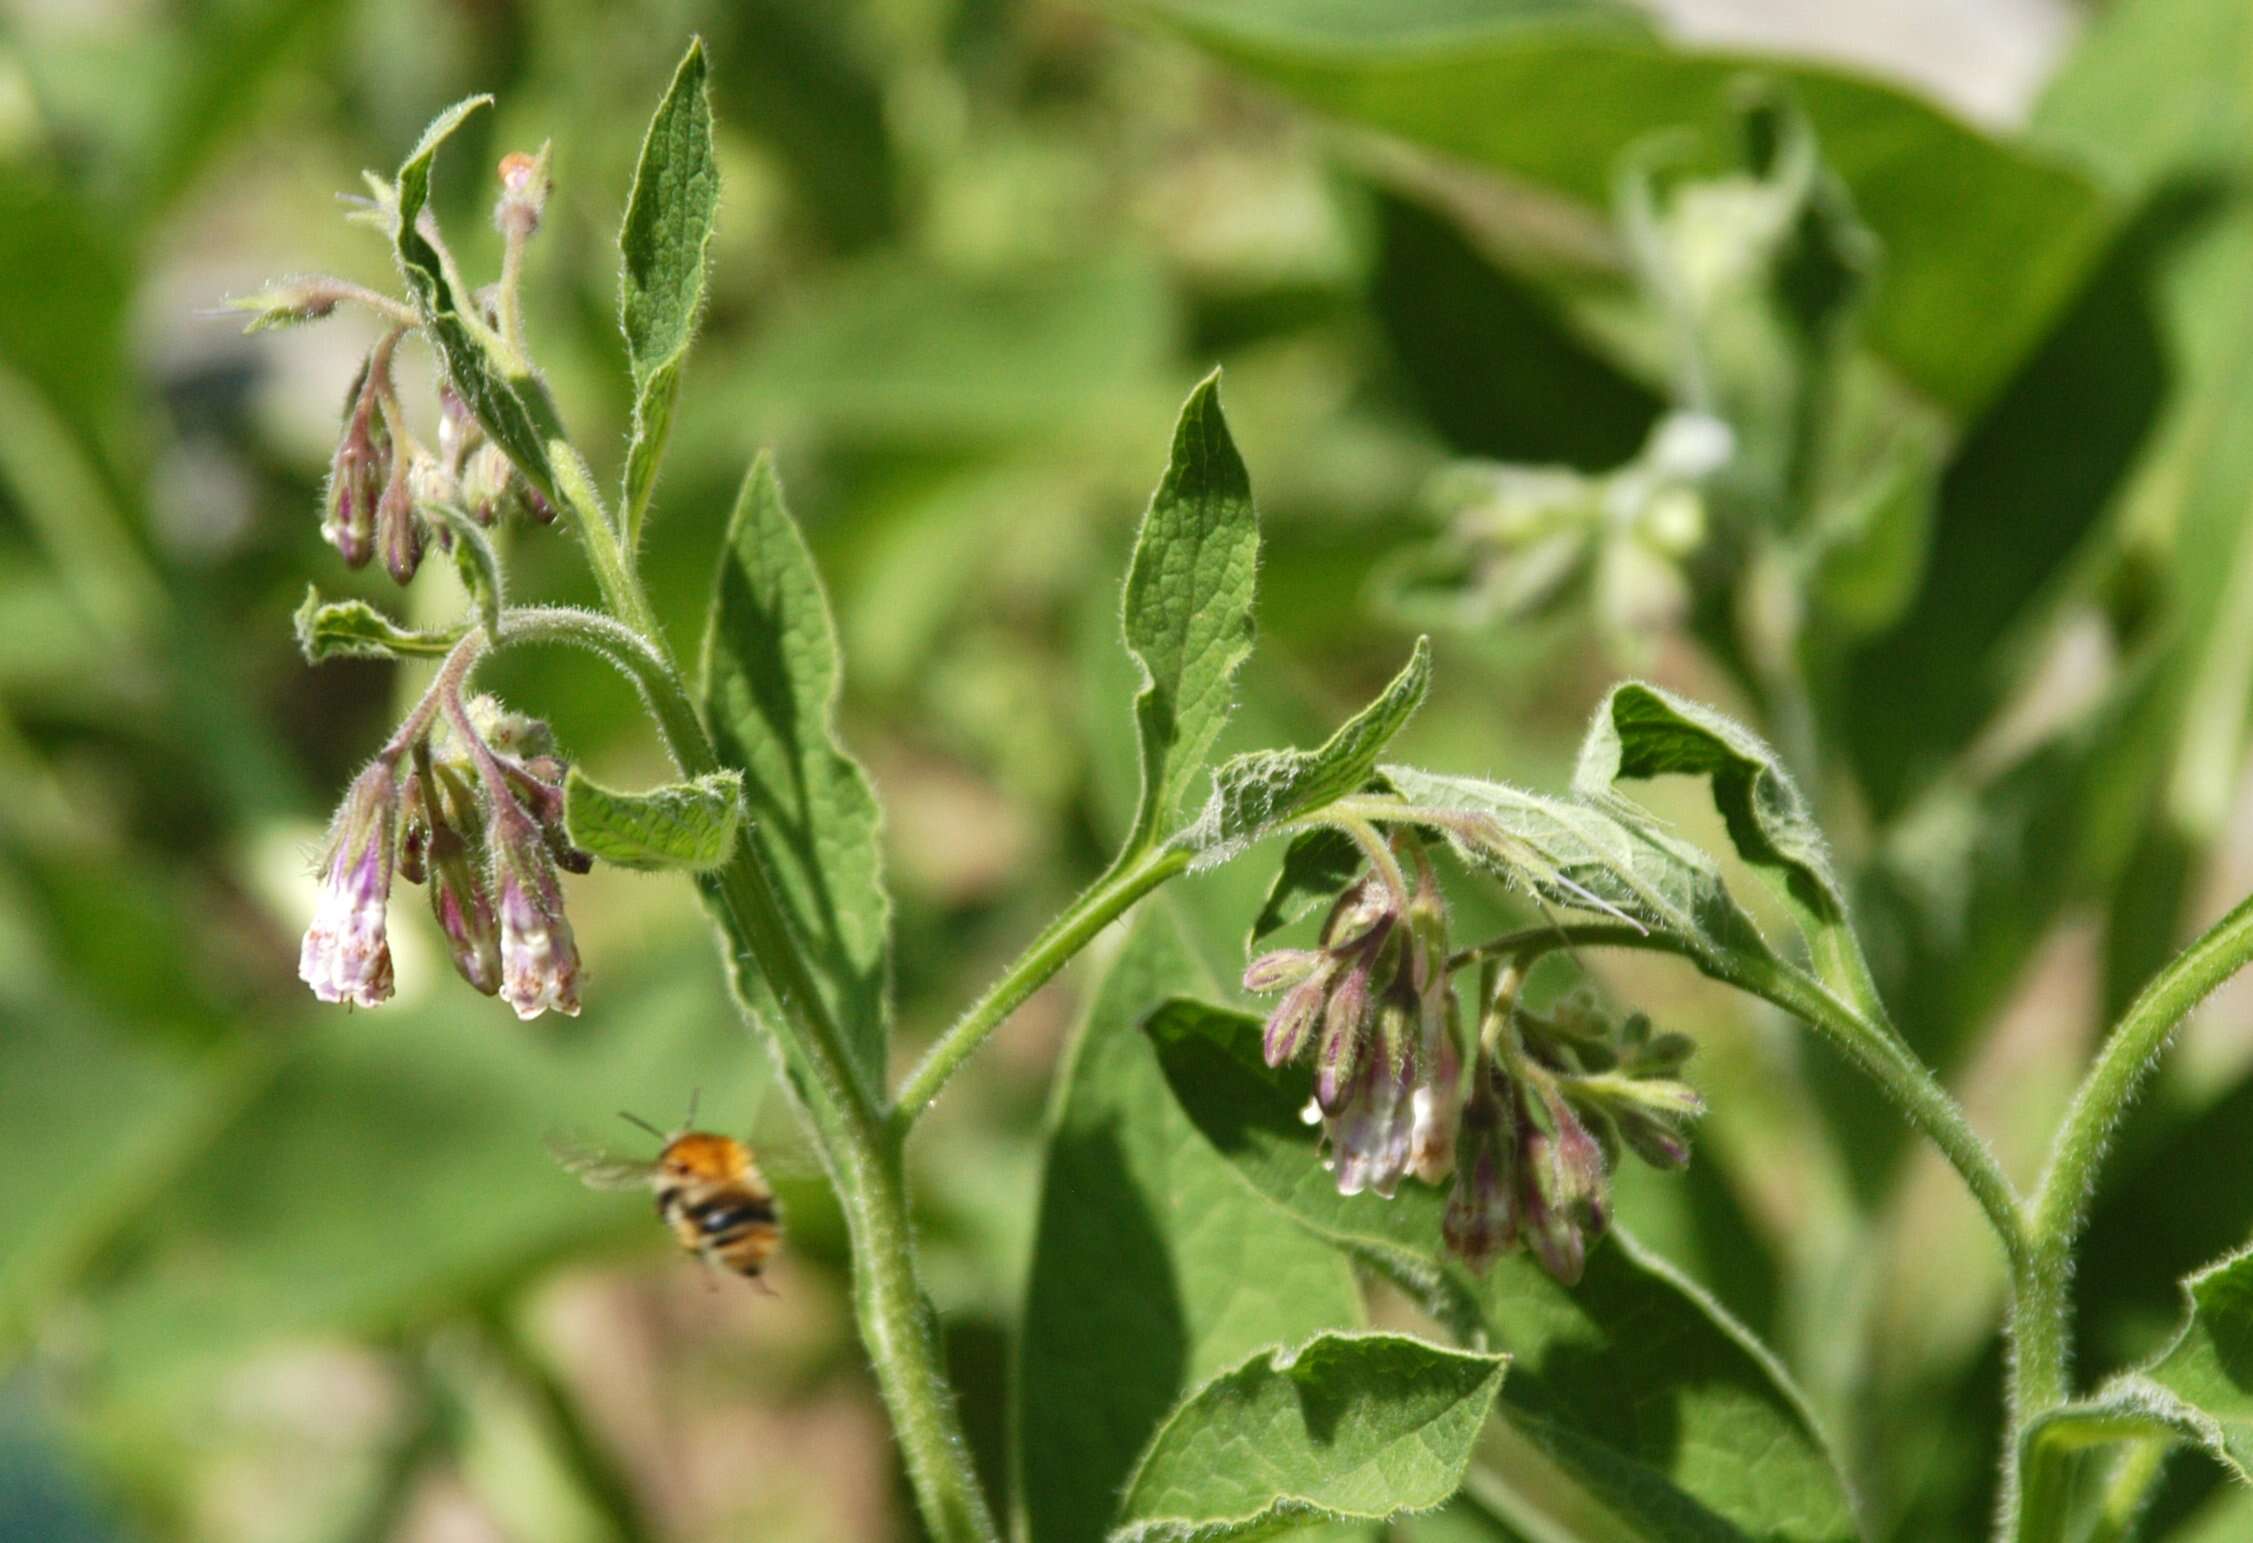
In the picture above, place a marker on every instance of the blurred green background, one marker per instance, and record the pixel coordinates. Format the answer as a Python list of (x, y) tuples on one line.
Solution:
[(272, 1271)]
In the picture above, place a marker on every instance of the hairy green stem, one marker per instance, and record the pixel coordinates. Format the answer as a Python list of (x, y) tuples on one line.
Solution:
[(780, 999), (2041, 1365), (1107, 899)]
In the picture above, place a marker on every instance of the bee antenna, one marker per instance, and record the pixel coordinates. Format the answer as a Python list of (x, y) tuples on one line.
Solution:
[(695, 1096), (635, 1119)]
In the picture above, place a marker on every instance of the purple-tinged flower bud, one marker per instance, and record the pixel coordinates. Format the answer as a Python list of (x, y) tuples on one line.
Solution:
[(1360, 910), (1479, 1222), (347, 956), (1558, 1238), (1292, 1022), (487, 487), (1436, 1105), (398, 527), (1344, 1044), (525, 185), (459, 896), (539, 957), (414, 831), (1283, 967), (360, 467)]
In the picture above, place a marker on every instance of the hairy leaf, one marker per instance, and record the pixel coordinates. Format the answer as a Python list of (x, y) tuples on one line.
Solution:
[(1345, 1427), (1254, 794), (771, 676), (1153, 1268), (680, 825), (662, 247), (1579, 855), (2199, 1390), (504, 397), (1642, 731), (354, 629), (475, 564), (1187, 607), (1635, 1381)]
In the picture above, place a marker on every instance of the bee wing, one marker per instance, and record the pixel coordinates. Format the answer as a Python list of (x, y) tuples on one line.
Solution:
[(598, 1169)]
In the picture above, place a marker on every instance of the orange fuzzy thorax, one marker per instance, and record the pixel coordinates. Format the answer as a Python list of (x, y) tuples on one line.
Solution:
[(700, 1155)]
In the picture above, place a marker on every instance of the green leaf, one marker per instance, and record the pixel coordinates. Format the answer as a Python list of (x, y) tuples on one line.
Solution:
[(1344, 1427), (680, 825), (1154, 1268), (1256, 793), (1578, 855), (1316, 866), (1187, 607), (2199, 1390), (1642, 731), (501, 394), (1981, 247), (771, 676), (1635, 1381), (662, 249), (354, 629)]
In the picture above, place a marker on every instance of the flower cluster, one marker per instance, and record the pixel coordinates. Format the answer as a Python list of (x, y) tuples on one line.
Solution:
[(478, 821), (1531, 1132)]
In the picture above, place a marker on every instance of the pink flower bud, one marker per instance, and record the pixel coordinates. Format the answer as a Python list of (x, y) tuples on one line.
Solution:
[(346, 955), (360, 467), (1283, 967)]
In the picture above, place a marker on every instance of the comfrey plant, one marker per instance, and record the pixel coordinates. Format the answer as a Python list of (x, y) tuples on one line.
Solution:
[(1472, 1123)]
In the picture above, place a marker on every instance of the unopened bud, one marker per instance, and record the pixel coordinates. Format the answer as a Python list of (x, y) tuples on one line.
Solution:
[(539, 956), (398, 527), (361, 466), (525, 185)]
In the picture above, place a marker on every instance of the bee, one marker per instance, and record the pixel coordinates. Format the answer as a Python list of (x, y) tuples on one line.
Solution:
[(709, 1191)]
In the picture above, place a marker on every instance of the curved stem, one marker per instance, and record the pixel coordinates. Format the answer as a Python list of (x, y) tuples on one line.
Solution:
[(780, 1000), (2042, 1359), (1101, 904)]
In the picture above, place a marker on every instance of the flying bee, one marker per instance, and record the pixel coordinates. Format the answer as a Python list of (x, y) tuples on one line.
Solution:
[(709, 1191)]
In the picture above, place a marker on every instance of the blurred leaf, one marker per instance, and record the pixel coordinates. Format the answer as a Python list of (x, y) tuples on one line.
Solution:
[(897, 351), (71, 344), (505, 398), (662, 247), (395, 1169), (354, 629), (1187, 608), (1982, 243), (680, 825), (2196, 1391), (1635, 1381), (1154, 1267), (98, 1125), (1487, 361), (771, 677), (1256, 794), (1343, 1427)]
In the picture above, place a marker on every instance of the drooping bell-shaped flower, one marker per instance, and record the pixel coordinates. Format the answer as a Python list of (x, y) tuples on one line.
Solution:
[(346, 955), (539, 957)]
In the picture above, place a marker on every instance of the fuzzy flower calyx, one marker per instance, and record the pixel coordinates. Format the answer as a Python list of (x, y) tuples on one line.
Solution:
[(346, 955)]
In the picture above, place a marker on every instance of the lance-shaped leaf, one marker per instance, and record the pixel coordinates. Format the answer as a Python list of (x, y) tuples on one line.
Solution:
[(1187, 607), (475, 563), (354, 629), (1580, 855), (1346, 1427), (1635, 1381), (2199, 1390), (771, 677), (1154, 1268), (1256, 793), (688, 825), (503, 396), (661, 249)]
